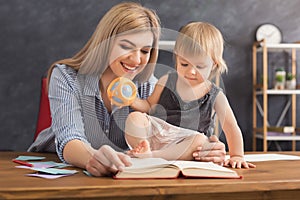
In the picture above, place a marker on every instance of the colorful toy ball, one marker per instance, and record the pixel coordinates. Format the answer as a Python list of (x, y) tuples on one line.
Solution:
[(121, 92)]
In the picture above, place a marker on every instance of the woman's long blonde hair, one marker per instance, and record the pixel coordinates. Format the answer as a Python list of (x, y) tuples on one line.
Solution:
[(125, 17), (196, 38)]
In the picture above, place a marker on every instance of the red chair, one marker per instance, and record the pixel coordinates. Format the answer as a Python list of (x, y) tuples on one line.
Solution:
[(44, 115)]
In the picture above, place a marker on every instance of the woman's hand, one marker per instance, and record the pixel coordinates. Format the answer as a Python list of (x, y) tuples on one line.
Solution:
[(238, 162), (106, 161), (212, 151)]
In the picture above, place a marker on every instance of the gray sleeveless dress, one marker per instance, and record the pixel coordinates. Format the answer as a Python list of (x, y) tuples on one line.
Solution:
[(197, 115)]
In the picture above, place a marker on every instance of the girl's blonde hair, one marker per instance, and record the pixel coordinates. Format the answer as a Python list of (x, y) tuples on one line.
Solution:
[(197, 38), (127, 17)]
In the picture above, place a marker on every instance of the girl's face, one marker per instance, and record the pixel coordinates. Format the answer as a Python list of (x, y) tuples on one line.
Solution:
[(130, 54), (194, 70)]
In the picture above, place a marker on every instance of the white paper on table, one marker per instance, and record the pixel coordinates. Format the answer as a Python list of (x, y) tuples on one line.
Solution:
[(48, 176), (267, 157)]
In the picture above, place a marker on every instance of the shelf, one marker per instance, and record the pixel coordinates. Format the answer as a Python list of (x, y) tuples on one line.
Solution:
[(277, 130), (278, 137), (279, 47), (278, 92), (261, 105), (167, 45)]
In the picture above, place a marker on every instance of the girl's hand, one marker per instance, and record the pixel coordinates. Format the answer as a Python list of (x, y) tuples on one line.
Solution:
[(213, 151), (106, 161), (238, 162)]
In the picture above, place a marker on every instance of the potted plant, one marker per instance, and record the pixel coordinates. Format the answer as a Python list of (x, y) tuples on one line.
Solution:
[(280, 76), (290, 81)]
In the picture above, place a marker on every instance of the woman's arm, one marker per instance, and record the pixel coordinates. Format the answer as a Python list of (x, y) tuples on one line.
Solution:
[(68, 126), (102, 162), (214, 151), (77, 153), (67, 123)]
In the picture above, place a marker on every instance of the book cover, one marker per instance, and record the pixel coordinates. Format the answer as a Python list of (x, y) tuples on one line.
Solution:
[(155, 168)]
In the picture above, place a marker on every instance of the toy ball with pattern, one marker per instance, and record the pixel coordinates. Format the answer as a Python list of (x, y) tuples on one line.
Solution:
[(121, 92)]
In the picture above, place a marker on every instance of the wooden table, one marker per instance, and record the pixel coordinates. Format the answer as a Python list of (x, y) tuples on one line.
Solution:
[(269, 180)]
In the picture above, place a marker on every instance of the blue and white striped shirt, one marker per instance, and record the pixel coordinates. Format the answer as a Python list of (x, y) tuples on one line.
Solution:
[(78, 112)]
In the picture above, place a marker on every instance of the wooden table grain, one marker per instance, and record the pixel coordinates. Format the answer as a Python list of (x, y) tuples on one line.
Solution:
[(269, 180)]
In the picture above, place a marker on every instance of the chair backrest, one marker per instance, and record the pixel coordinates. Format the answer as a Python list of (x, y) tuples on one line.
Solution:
[(44, 116)]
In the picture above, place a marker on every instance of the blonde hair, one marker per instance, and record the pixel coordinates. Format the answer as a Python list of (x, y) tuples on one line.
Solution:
[(196, 38), (127, 17)]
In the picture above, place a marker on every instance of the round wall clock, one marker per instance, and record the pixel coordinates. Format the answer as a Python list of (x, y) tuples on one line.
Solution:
[(270, 33)]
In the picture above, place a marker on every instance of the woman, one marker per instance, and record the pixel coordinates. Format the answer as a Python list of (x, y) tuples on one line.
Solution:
[(84, 132)]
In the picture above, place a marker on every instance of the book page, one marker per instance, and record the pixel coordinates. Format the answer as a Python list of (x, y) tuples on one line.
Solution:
[(144, 163), (200, 165), (164, 172), (138, 163), (148, 168)]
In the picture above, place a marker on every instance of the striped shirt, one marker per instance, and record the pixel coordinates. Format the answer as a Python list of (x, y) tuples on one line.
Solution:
[(78, 112)]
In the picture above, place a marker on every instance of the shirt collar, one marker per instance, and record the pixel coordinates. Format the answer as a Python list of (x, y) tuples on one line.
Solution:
[(90, 84)]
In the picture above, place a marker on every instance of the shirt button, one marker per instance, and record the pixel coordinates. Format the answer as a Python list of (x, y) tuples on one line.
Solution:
[(106, 131)]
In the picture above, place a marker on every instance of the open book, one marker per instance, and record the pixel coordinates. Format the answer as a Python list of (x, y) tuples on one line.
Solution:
[(145, 168)]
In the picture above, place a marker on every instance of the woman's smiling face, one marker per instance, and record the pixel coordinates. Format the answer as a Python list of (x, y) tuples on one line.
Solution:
[(130, 54)]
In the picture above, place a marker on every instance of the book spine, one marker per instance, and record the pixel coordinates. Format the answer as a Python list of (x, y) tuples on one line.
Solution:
[(282, 129)]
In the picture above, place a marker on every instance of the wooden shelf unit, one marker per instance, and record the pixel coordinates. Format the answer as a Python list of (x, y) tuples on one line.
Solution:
[(264, 91)]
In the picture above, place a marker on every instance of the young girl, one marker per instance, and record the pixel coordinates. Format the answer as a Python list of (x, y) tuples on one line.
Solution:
[(184, 103)]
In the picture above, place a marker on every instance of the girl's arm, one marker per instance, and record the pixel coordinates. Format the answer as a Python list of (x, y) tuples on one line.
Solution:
[(144, 105), (232, 132)]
